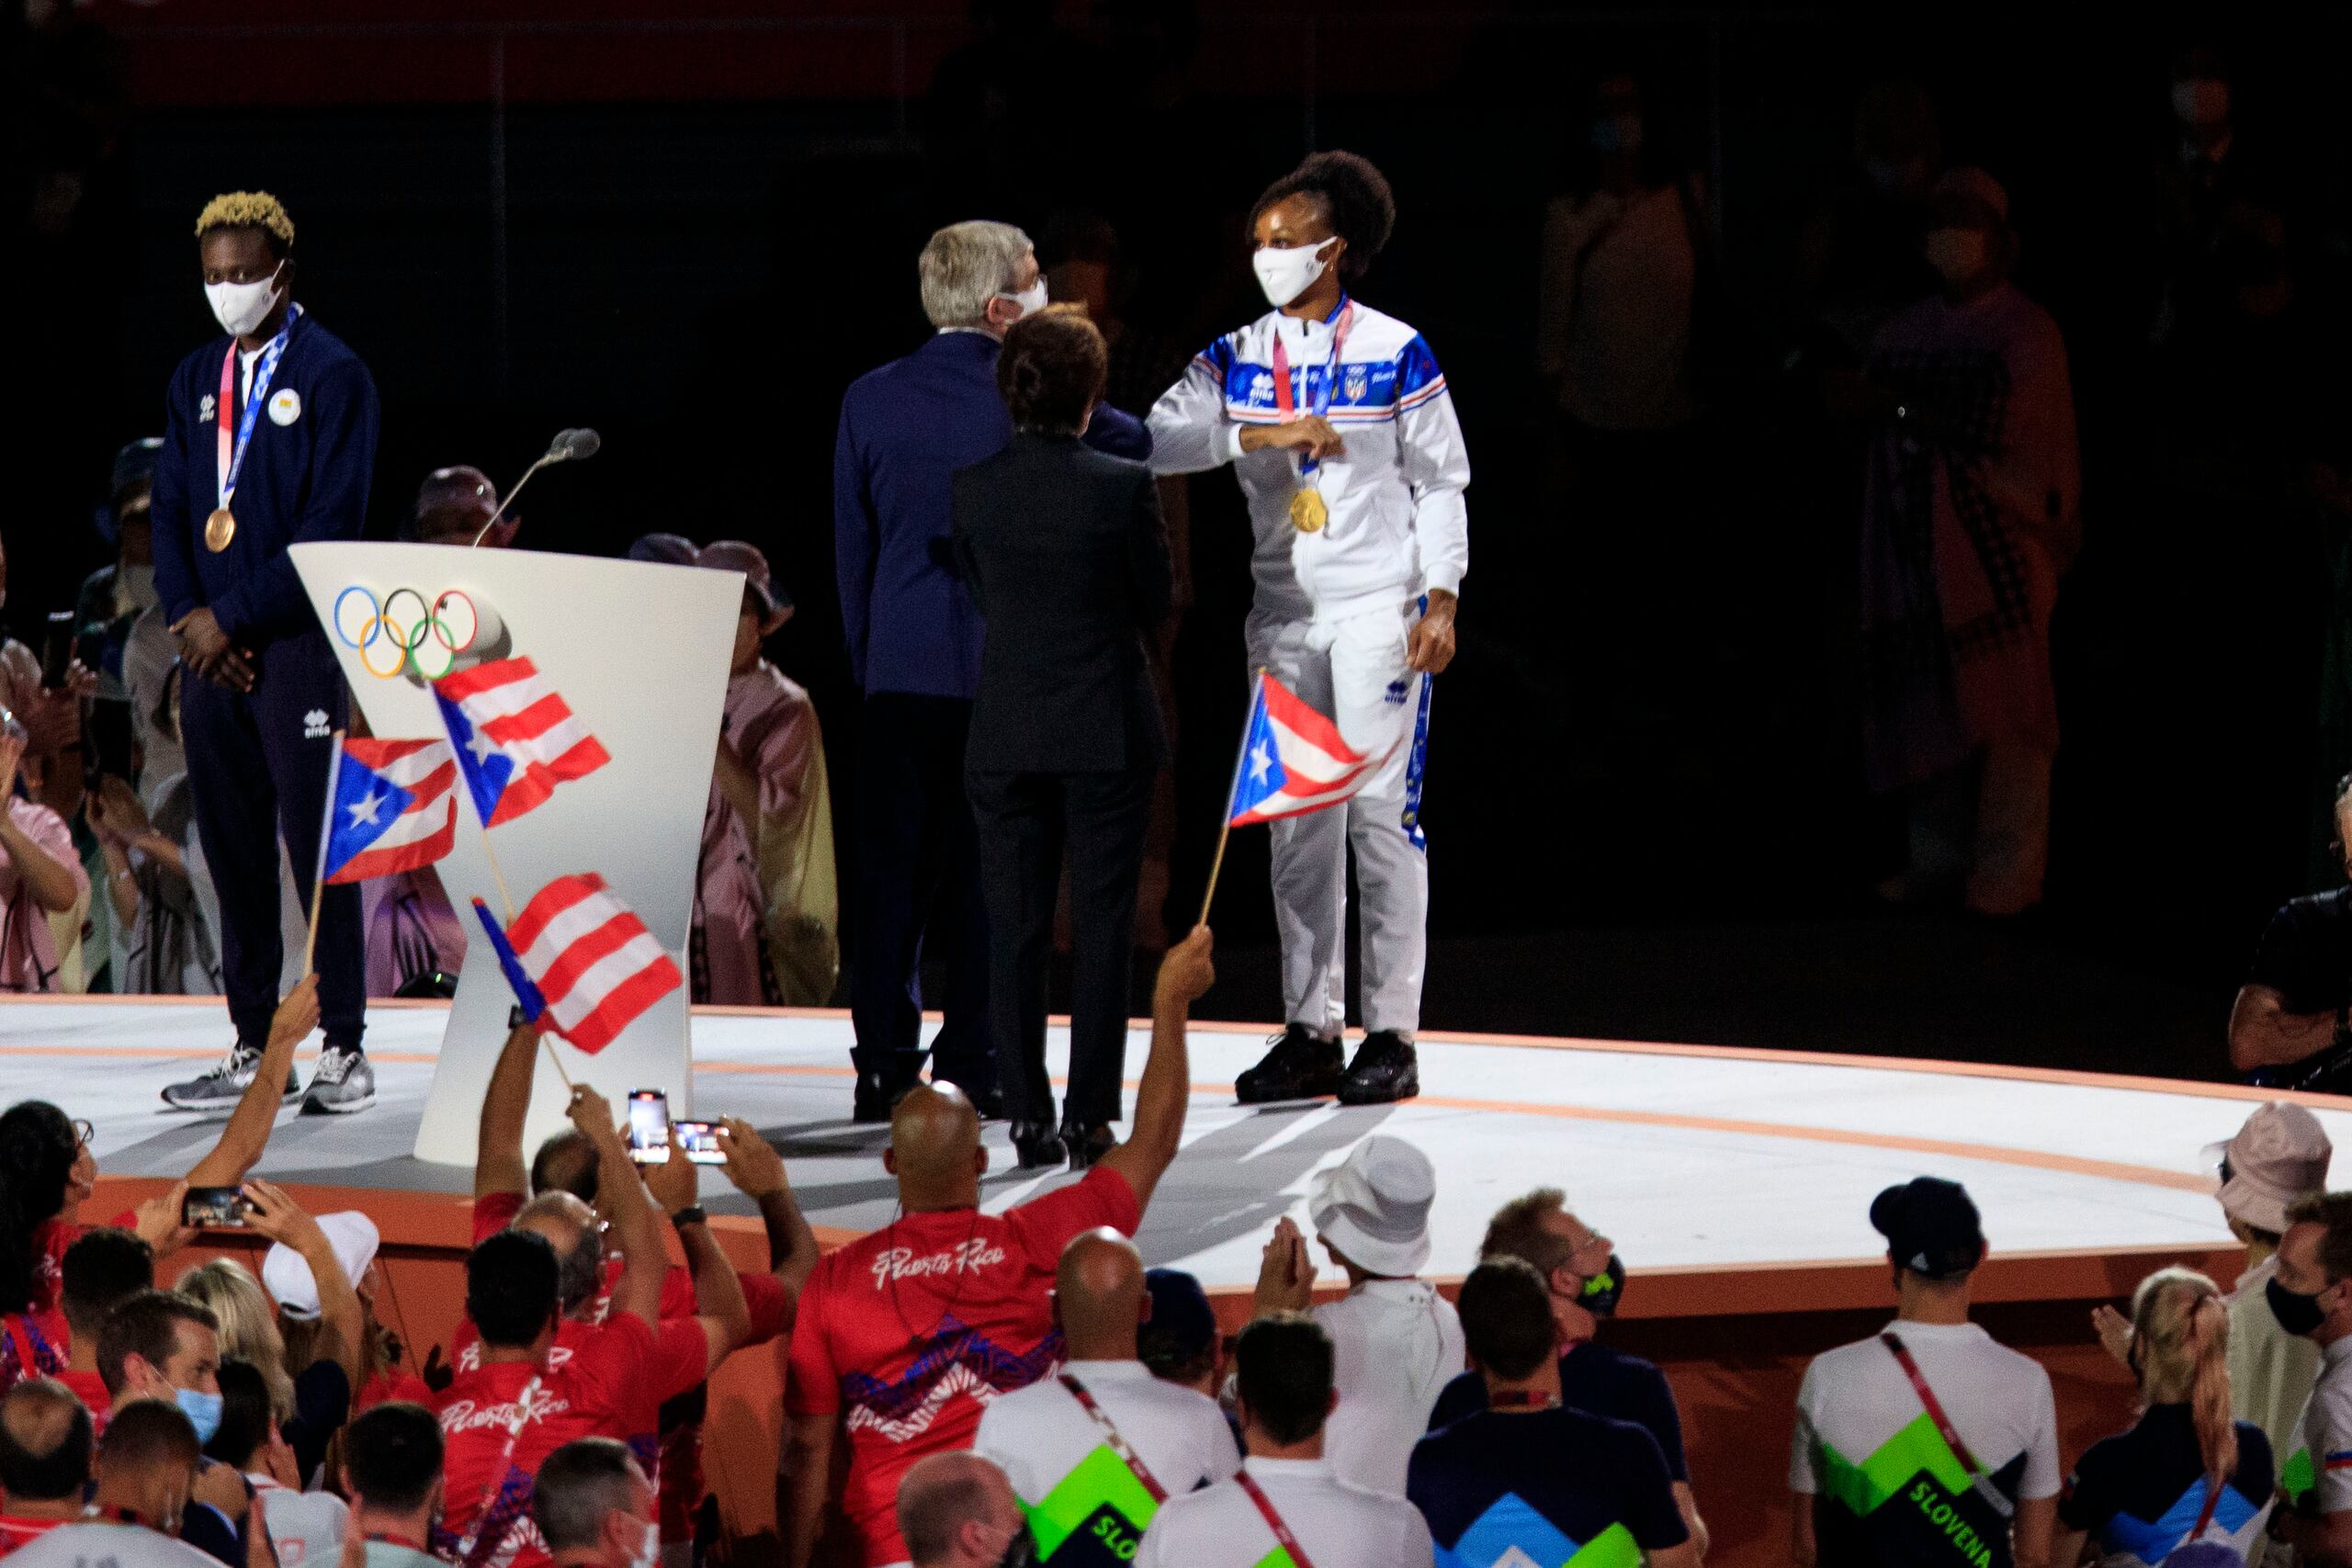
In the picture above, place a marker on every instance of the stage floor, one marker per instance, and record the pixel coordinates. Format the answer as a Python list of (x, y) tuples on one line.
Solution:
[(1703, 1163)]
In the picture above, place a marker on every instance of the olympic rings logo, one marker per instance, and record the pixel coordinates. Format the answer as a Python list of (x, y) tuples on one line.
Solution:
[(403, 632)]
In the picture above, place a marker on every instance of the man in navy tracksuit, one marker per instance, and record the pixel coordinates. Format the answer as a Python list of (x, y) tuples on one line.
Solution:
[(270, 439), (914, 649)]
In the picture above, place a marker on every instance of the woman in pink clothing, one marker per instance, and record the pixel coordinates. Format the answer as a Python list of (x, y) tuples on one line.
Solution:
[(39, 876), (765, 910)]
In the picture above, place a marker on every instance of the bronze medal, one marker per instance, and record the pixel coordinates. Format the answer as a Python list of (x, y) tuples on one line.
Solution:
[(1307, 511), (222, 527)]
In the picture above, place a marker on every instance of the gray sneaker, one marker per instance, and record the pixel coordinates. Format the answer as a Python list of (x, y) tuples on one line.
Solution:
[(342, 1084), (221, 1089)]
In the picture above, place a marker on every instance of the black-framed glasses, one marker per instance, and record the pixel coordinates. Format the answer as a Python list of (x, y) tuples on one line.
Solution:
[(83, 1133), (2227, 1174)]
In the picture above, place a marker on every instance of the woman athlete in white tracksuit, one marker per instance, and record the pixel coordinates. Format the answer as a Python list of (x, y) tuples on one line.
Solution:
[(1354, 466)]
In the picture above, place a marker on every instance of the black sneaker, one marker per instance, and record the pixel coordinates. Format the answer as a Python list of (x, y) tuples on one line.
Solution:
[(1384, 1070), (1301, 1065), (221, 1089)]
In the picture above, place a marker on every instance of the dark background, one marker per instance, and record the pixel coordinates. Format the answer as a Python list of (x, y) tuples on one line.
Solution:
[(691, 224)]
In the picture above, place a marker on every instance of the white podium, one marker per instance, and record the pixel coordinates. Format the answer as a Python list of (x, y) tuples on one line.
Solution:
[(640, 653)]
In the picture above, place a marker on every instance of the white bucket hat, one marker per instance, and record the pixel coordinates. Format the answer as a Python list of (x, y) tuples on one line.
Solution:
[(2281, 1154), (354, 1237), (1373, 1206)]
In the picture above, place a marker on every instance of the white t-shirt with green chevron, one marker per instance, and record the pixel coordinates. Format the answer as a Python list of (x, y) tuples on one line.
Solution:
[(1888, 1490)]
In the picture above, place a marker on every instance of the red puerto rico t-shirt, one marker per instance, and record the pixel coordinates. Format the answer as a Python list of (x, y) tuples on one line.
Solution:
[(909, 1332), (600, 1381), (37, 1341)]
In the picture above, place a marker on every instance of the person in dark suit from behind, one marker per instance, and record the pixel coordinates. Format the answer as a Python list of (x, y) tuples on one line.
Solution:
[(1064, 552)]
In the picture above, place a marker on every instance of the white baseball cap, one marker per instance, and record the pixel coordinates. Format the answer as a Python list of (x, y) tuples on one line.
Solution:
[(354, 1237), (2281, 1154), (1373, 1206)]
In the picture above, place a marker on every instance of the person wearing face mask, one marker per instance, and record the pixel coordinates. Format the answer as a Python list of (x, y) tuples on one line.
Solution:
[(957, 1510), (270, 441), (163, 1348), (392, 1473), (2311, 1294), (1338, 424), (914, 652), (1969, 517), (146, 1467), (1586, 1280), (595, 1507)]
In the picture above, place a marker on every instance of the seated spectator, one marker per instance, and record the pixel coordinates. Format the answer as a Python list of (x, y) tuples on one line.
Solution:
[(164, 1348), (595, 1507), (2185, 1460), (1580, 1268), (2288, 1027), (2311, 1294), (1179, 1339), (392, 1473), (1869, 1489), (311, 1406), (101, 1271), (1095, 1451), (957, 1510), (305, 1527), (40, 876), (145, 1476), (45, 1442), (963, 1316), (2279, 1155), (1528, 1474), (164, 940), (1287, 1495), (1398, 1342), (47, 1173), (768, 914), (514, 1403)]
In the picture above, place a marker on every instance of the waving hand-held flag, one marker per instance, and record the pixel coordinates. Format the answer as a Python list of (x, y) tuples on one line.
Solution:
[(393, 809), (578, 955), (1293, 759), (515, 739)]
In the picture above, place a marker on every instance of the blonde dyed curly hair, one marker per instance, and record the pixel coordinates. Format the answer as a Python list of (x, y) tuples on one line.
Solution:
[(247, 209)]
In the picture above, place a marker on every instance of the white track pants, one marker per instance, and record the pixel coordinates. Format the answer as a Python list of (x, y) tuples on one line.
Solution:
[(1354, 670)]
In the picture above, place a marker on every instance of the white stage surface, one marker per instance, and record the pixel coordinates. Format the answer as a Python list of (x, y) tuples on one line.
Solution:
[(1707, 1166)]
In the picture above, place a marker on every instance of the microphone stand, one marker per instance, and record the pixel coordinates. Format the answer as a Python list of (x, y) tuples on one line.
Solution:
[(555, 454)]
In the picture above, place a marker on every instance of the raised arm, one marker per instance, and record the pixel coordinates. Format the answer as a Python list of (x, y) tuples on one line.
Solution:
[(757, 1172), (718, 1295), (1167, 1088), (341, 1320), (505, 1105), (247, 1134), (622, 1198)]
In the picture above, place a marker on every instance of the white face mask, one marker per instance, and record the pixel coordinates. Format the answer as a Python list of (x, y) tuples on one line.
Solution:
[(1030, 300), (650, 1549), (1286, 272), (1957, 254), (241, 307)]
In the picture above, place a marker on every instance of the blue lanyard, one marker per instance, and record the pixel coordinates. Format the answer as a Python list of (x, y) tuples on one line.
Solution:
[(264, 369)]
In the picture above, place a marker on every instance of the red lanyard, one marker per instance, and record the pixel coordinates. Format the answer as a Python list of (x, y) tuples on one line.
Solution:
[(1284, 402), (1118, 1444), (1977, 1479), (225, 418), (1273, 1520), (389, 1538)]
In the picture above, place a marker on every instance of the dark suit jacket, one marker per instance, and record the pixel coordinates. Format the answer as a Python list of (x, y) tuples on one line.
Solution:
[(1066, 556)]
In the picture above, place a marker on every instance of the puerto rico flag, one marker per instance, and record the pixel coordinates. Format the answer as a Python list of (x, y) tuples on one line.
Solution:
[(1293, 759), (515, 739), (577, 955), (394, 808)]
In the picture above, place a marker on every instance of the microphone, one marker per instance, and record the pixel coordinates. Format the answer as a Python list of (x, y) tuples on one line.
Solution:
[(569, 445)]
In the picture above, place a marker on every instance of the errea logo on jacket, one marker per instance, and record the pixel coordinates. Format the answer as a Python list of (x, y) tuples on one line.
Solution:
[(315, 725)]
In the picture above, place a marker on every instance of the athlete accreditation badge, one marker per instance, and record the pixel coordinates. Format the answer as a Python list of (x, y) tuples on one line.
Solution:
[(1307, 511)]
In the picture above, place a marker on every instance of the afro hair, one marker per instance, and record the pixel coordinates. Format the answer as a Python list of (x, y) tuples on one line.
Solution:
[(1355, 197), (249, 210)]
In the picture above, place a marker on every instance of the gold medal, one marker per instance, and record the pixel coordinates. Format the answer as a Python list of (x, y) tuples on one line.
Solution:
[(1308, 512), (222, 527)]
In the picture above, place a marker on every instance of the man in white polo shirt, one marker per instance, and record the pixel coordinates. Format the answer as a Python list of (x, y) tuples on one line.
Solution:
[(1287, 1495), (1092, 1452), (2312, 1296), (1927, 1444), (1397, 1342), (146, 1469)]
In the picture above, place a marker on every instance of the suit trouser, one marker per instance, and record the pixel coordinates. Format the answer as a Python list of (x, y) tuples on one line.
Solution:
[(257, 765), (918, 866), (1353, 669), (1024, 819)]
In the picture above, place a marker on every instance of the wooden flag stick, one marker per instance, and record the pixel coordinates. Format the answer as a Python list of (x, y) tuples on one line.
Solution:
[(1232, 794), (326, 832), (507, 899)]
